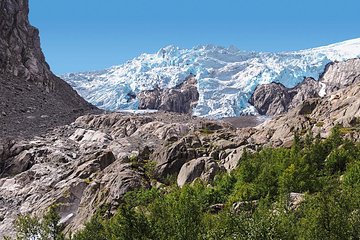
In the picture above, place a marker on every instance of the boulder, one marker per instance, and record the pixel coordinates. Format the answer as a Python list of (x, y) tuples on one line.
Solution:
[(233, 159), (83, 135), (171, 158), (274, 98), (244, 206), (271, 99), (18, 164), (216, 208), (294, 200), (204, 168)]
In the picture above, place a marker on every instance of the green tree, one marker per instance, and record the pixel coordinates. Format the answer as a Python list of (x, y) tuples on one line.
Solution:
[(32, 228)]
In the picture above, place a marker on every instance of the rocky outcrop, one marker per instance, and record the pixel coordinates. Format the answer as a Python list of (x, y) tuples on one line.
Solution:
[(340, 74), (307, 89), (32, 98), (204, 168), (171, 158), (271, 99), (93, 162), (20, 53), (233, 159), (317, 115), (181, 99), (274, 98)]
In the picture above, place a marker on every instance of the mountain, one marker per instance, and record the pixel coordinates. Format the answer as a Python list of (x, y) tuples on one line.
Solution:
[(226, 77), (92, 163), (32, 98), (87, 167)]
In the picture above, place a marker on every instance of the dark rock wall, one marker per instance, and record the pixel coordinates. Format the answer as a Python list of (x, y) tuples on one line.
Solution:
[(180, 99), (32, 98)]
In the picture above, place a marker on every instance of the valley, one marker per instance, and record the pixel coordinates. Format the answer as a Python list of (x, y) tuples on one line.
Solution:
[(201, 143)]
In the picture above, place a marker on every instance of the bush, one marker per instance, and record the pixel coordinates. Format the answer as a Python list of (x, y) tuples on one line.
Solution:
[(31, 228), (327, 171)]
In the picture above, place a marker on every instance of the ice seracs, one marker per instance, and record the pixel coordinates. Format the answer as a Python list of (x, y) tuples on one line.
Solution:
[(226, 77)]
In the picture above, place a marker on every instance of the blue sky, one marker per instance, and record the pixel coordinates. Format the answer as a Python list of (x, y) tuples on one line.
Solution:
[(80, 35)]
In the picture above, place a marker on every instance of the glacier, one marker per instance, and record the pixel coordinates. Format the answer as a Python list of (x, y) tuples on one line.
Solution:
[(226, 77)]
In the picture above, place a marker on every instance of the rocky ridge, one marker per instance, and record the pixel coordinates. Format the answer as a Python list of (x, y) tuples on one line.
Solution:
[(32, 98), (274, 98)]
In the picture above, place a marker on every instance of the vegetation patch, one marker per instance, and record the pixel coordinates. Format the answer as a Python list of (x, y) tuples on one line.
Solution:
[(326, 173), (206, 131), (319, 124)]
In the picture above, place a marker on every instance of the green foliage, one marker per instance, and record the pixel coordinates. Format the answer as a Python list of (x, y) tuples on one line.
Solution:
[(31, 228), (28, 227), (319, 124), (133, 159), (149, 168), (94, 229), (205, 130), (326, 171), (313, 166)]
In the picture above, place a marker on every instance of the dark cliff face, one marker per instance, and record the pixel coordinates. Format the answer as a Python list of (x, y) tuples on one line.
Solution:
[(270, 99), (181, 99), (274, 98), (28, 88), (20, 53)]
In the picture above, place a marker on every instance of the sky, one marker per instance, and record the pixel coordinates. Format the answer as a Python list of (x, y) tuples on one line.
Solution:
[(83, 35)]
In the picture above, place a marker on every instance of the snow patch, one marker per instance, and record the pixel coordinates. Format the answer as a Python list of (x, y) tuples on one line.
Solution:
[(322, 91)]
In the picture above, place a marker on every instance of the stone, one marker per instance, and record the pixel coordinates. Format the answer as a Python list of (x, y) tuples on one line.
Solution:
[(216, 208), (338, 75), (244, 206), (204, 168), (294, 200), (171, 158), (18, 164), (83, 135), (233, 159), (270, 99)]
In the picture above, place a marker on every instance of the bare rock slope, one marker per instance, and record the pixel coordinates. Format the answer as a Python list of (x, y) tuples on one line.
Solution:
[(93, 162), (32, 98)]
